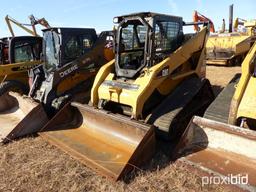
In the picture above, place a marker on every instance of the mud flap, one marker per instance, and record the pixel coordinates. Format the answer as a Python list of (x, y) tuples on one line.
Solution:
[(219, 148), (110, 144), (19, 116)]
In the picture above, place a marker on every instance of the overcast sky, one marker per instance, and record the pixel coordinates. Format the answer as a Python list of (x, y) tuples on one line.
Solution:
[(99, 13)]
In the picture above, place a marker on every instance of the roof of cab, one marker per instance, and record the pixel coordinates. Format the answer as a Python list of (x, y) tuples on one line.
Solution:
[(71, 29), (146, 14)]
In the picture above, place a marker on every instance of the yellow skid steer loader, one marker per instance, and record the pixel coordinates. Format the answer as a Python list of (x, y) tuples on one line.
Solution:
[(223, 142), (153, 87), (72, 57), (17, 56)]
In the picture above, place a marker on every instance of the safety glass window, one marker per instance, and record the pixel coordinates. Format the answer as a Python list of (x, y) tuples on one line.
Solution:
[(166, 35), (23, 52), (133, 37), (51, 41), (132, 45), (76, 46)]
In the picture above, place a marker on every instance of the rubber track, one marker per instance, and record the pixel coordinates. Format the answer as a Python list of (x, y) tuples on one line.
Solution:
[(174, 113), (219, 109)]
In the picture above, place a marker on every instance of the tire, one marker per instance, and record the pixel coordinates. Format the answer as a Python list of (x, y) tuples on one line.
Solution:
[(16, 86)]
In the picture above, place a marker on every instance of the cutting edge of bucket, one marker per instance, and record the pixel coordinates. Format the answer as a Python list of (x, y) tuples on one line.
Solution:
[(219, 148)]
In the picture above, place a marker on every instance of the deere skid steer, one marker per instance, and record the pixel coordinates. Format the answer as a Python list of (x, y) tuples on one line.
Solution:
[(72, 57), (17, 56), (155, 85), (223, 142)]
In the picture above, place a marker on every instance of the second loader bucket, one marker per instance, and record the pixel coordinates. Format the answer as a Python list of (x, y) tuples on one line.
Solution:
[(221, 149), (110, 144), (19, 116)]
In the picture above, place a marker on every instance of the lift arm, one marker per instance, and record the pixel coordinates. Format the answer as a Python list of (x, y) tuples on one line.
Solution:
[(33, 21)]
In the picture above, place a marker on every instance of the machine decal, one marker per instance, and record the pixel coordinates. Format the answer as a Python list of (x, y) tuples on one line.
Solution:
[(68, 71)]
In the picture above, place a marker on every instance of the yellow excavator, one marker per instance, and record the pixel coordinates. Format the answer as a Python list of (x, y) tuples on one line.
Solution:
[(223, 142), (230, 48), (155, 84)]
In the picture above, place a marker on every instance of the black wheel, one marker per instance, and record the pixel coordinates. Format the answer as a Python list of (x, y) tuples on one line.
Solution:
[(15, 86)]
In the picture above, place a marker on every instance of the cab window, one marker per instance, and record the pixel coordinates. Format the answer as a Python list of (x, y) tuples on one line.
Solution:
[(76, 46), (166, 35)]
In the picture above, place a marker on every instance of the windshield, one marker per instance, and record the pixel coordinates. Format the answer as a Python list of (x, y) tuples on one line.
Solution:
[(23, 53), (51, 42), (132, 43), (26, 51)]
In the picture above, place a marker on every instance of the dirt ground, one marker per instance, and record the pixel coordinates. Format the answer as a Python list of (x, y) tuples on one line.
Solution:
[(220, 76), (31, 164)]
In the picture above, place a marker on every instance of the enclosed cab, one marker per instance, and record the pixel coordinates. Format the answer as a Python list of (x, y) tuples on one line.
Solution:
[(20, 49), (17, 56), (144, 39), (63, 45)]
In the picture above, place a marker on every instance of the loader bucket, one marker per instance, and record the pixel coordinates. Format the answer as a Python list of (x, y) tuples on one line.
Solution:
[(19, 116), (110, 144), (221, 149)]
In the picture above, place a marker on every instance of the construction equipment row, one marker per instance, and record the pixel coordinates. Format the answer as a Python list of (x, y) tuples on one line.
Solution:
[(107, 99)]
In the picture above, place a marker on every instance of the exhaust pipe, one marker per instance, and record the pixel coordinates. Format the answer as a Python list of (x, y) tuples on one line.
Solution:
[(230, 29)]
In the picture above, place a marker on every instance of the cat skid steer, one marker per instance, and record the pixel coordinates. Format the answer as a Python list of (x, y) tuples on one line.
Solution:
[(155, 85)]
